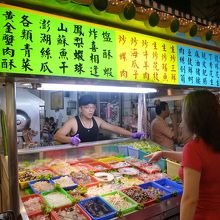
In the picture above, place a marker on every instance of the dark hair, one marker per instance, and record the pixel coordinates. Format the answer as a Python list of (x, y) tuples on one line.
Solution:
[(51, 119), (201, 113), (86, 99), (161, 107)]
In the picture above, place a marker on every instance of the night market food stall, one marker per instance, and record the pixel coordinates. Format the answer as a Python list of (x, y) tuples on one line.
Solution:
[(45, 49)]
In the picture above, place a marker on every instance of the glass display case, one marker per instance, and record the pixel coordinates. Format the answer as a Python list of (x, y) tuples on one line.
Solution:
[(110, 165)]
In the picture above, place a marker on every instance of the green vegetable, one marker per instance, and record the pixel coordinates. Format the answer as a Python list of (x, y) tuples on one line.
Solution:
[(46, 209), (140, 206), (82, 189), (57, 186), (175, 178), (120, 214)]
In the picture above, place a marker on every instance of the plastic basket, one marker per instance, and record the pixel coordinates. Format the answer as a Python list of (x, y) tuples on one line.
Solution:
[(133, 204), (123, 150), (93, 182), (146, 202), (97, 199), (34, 216), (101, 164), (142, 154), (170, 185), (111, 159), (167, 195), (53, 180), (31, 183), (86, 160), (81, 211), (133, 152), (121, 164), (172, 168), (162, 162), (26, 198), (41, 170), (24, 184), (110, 149), (61, 191)]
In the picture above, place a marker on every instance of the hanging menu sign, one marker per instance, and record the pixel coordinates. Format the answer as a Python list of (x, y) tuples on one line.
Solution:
[(42, 44), (146, 59), (198, 67)]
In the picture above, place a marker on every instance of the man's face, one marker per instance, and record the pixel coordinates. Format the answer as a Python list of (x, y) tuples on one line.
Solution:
[(167, 111), (88, 110)]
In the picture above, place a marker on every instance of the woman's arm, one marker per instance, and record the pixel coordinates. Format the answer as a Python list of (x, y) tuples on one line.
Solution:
[(172, 155), (190, 193)]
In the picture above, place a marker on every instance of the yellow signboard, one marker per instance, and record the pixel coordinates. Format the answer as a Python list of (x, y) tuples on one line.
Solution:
[(146, 59)]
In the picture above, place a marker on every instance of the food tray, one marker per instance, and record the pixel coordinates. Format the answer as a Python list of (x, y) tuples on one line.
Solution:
[(34, 216), (44, 169), (31, 183), (26, 198), (94, 181), (167, 195), (103, 165), (111, 159), (67, 187), (171, 186), (81, 211), (133, 152), (60, 191), (149, 168), (72, 161), (82, 167), (133, 204), (162, 162), (24, 184), (131, 171), (120, 164), (94, 200), (123, 150), (86, 160), (146, 202)]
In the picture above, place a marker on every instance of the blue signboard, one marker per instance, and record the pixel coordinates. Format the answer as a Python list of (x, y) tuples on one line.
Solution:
[(197, 67)]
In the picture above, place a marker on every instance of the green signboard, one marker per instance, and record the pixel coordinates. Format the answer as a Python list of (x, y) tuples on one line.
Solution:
[(42, 45)]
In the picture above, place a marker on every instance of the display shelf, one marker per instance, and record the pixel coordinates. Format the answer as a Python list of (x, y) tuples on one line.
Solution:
[(99, 150)]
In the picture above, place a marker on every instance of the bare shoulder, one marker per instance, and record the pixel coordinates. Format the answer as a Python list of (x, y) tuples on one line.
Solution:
[(69, 125), (71, 120), (98, 120)]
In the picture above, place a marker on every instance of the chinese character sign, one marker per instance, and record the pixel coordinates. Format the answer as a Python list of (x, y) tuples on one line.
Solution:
[(198, 67), (146, 59), (44, 45), (47, 45)]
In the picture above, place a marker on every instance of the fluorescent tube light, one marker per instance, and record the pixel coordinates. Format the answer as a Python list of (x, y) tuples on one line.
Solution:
[(94, 88)]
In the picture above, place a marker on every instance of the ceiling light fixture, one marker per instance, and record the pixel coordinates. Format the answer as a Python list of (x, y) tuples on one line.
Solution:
[(95, 88)]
